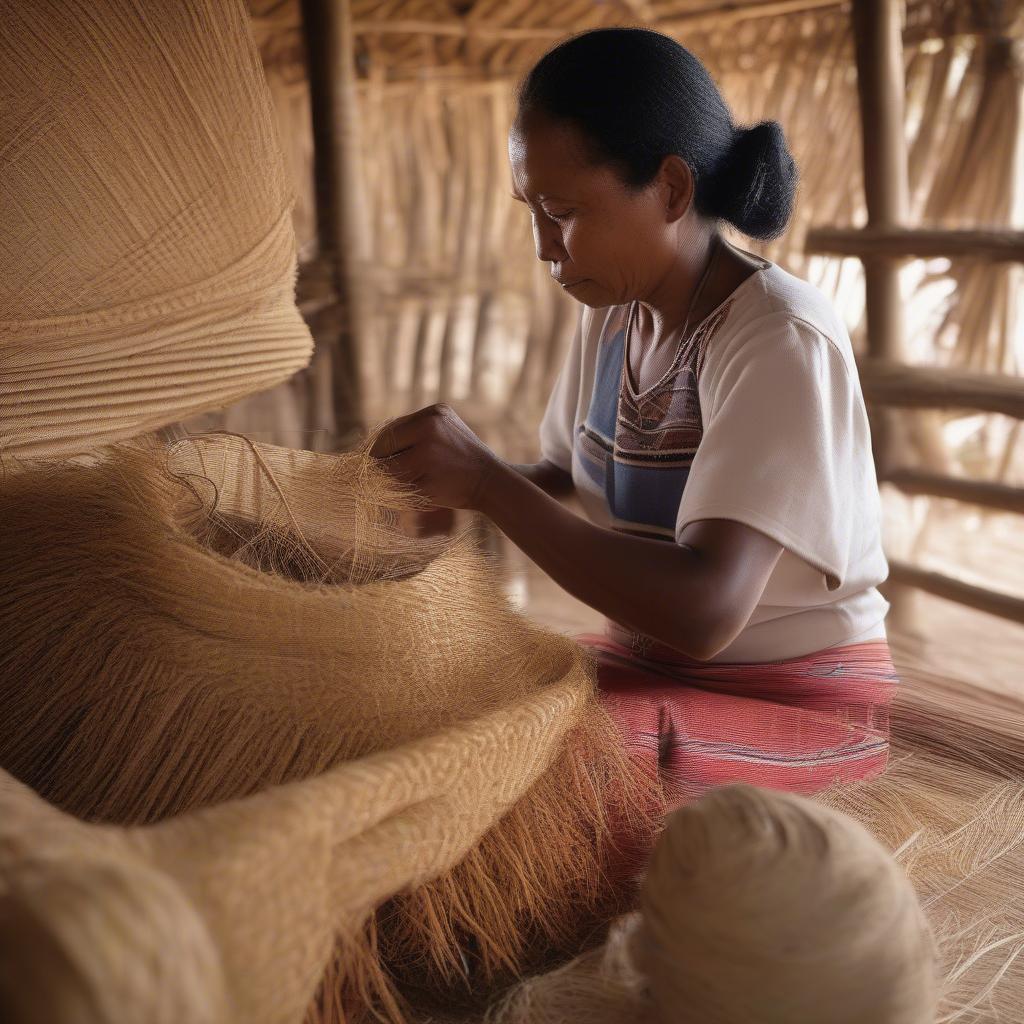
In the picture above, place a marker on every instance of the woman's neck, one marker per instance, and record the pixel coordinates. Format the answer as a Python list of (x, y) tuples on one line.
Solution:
[(676, 302), (664, 311)]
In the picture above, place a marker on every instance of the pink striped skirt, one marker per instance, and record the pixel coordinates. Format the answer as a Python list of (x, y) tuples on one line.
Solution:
[(797, 725)]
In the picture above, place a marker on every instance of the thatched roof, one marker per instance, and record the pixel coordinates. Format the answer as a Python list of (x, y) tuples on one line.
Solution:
[(488, 38)]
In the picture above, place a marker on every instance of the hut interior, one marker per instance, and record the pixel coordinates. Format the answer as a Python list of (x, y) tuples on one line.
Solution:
[(438, 296), (905, 119), (419, 283)]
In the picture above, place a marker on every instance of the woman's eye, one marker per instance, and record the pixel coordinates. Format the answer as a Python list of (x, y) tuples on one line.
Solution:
[(561, 215)]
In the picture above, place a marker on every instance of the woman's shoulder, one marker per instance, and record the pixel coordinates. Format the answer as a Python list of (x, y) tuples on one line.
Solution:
[(786, 308)]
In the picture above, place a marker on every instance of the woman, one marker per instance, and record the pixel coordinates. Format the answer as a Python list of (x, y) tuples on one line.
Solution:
[(710, 418)]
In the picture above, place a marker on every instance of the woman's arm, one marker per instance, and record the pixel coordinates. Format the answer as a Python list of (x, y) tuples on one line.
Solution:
[(551, 479), (696, 596)]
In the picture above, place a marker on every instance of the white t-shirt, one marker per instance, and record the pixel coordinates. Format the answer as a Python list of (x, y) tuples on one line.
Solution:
[(760, 419)]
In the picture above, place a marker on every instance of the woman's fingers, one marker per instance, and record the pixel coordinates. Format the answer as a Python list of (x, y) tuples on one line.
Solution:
[(398, 435), (404, 466), (433, 451)]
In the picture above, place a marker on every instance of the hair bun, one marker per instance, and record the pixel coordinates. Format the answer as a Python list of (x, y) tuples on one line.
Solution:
[(756, 185)]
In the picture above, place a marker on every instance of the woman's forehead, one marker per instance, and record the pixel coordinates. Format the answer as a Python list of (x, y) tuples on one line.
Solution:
[(548, 160), (545, 149)]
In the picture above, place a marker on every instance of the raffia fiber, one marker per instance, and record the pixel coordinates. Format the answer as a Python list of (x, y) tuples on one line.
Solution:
[(147, 258), (230, 913), (191, 625), (757, 906), (951, 808)]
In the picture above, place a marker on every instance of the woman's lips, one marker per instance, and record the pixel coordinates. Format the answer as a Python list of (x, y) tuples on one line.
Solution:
[(572, 284)]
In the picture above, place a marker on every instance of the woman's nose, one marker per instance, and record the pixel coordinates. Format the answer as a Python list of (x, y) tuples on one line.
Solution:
[(547, 237)]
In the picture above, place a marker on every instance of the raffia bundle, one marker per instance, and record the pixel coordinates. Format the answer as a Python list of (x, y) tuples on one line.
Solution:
[(229, 914), (183, 627), (147, 259), (190, 625)]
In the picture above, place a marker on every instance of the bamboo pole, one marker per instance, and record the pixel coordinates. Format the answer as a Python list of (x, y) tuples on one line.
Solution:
[(993, 602), (328, 35), (987, 245), (938, 388), (989, 494), (878, 49), (879, 54), (708, 17)]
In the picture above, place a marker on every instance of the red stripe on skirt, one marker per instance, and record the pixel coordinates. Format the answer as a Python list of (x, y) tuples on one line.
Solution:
[(798, 724)]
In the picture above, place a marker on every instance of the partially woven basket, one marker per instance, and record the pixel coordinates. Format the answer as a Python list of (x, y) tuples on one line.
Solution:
[(147, 270), (167, 652), (182, 627)]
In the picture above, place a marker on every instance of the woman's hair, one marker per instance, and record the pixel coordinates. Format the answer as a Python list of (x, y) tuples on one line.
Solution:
[(637, 96)]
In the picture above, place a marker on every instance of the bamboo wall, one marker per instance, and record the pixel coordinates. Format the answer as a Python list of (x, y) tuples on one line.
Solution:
[(461, 310)]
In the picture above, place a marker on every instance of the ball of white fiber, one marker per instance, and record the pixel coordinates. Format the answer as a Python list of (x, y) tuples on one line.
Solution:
[(763, 906)]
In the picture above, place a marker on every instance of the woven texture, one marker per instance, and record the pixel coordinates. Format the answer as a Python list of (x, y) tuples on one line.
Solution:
[(197, 624), (147, 258), (230, 914), (189, 626)]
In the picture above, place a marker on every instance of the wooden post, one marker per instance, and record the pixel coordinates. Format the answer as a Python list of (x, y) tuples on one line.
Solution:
[(327, 27), (880, 85), (878, 46)]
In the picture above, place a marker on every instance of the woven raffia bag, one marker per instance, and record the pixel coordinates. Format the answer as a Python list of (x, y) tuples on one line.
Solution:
[(185, 627)]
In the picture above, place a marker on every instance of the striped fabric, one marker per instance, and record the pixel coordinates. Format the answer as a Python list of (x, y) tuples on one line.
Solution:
[(796, 725), (636, 449)]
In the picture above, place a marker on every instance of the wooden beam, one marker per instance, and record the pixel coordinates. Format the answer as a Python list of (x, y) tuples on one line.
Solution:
[(989, 494), (993, 602), (727, 14), (327, 30), (926, 387), (878, 51), (878, 48), (481, 30), (707, 17), (987, 245)]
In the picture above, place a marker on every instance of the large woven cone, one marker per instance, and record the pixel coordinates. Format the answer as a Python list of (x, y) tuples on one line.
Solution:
[(147, 258), (230, 914), (190, 626)]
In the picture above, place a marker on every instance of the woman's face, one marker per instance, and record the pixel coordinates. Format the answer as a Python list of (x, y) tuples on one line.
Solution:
[(607, 244)]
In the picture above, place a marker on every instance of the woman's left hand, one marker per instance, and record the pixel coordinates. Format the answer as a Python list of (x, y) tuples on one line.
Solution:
[(435, 452)]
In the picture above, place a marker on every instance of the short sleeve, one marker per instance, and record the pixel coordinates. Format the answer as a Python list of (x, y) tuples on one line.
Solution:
[(786, 444), (558, 425)]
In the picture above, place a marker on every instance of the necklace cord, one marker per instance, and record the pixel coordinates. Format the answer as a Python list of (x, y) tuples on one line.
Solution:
[(716, 246)]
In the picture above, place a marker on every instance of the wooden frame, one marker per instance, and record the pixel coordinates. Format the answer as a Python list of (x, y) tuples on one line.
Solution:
[(882, 245), (983, 245), (327, 33), (933, 387)]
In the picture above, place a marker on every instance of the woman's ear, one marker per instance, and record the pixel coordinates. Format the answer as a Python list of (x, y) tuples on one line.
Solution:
[(677, 186)]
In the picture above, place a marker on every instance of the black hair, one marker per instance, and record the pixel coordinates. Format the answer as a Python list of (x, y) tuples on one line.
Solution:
[(637, 96)]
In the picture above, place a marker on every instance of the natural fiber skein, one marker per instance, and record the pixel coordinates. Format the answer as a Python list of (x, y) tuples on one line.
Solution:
[(759, 907), (764, 906), (147, 256)]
